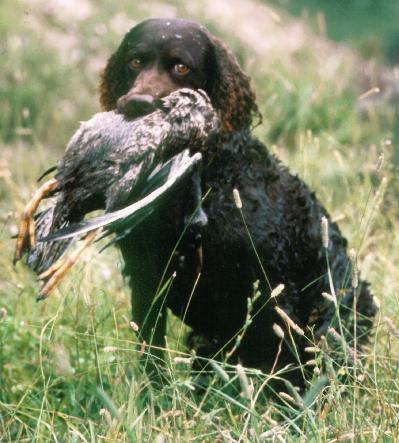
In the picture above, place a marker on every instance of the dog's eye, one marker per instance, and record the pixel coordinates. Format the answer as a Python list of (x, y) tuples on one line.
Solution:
[(181, 69), (136, 63)]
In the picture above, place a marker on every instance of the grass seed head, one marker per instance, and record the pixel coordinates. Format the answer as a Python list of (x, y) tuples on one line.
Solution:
[(278, 330), (246, 388), (134, 326), (107, 416), (182, 361), (376, 302), (312, 349), (277, 291), (312, 362), (222, 374), (324, 232), (328, 297), (289, 321), (160, 438), (288, 398), (355, 272), (237, 198), (335, 334), (372, 91), (110, 349)]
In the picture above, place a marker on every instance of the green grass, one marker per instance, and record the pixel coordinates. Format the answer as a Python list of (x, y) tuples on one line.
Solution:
[(70, 369), (365, 24)]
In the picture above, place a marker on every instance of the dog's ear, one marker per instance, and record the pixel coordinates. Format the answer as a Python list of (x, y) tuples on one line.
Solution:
[(231, 93), (114, 79)]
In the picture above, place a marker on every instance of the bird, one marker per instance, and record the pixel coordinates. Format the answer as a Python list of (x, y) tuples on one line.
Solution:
[(111, 162)]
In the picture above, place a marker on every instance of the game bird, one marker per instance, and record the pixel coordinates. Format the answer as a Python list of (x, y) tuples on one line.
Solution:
[(116, 162)]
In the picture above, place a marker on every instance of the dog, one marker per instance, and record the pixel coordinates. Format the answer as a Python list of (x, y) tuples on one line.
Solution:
[(222, 274)]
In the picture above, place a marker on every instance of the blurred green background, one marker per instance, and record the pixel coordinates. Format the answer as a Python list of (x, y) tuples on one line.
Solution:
[(369, 26)]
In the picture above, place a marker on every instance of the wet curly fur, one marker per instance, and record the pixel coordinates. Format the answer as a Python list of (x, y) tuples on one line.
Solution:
[(222, 79), (217, 265)]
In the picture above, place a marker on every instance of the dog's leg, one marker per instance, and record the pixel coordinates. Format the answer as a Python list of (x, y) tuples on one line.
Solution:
[(146, 254)]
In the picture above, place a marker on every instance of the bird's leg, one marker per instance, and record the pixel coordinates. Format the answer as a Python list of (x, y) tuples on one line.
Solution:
[(57, 271), (27, 224)]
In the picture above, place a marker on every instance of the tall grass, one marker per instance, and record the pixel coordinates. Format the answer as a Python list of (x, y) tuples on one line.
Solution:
[(71, 367)]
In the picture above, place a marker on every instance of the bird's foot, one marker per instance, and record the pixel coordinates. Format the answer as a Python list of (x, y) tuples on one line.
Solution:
[(53, 275), (26, 231)]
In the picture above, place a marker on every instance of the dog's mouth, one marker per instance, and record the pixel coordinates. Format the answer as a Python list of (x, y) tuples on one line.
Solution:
[(136, 105)]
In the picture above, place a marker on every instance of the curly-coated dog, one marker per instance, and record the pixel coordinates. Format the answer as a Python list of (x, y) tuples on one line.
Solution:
[(276, 239)]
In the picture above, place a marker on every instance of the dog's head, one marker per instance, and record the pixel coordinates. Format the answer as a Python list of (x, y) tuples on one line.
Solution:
[(159, 56)]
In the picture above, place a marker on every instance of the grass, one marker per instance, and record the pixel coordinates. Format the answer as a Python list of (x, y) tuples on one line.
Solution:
[(367, 25), (69, 367)]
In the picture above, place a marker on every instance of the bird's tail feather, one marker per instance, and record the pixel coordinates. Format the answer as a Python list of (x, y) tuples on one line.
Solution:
[(44, 255)]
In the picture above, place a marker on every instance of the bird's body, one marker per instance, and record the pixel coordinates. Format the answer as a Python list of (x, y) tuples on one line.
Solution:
[(109, 160), (110, 156)]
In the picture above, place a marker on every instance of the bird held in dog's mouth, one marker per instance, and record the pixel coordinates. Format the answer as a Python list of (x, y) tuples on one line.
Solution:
[(127, 167)]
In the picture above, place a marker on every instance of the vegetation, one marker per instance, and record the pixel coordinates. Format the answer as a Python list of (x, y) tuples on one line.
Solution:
[(70, 369), (370, 26)]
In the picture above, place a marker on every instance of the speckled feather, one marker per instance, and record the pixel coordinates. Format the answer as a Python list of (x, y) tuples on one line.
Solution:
[(110, 155), (108, 160)]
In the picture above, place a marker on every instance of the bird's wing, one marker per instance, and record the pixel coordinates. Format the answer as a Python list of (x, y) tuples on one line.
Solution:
[(161, 182)]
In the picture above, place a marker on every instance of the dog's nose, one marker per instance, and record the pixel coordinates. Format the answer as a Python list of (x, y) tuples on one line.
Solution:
[(135, 105)]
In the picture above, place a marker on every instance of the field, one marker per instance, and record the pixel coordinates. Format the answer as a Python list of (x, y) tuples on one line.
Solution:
[(69, 369)]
